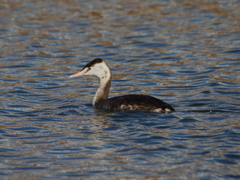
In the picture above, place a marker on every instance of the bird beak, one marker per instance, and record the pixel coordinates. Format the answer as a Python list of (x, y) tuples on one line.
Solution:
[(81, 73)]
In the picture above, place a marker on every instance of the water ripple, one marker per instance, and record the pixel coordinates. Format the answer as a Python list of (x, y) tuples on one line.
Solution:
[(185, 53)]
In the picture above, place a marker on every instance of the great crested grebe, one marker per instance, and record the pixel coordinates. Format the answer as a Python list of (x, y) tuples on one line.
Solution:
[(97, 67)]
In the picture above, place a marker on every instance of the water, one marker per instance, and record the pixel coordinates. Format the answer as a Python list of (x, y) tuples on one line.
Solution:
[(185, 53)]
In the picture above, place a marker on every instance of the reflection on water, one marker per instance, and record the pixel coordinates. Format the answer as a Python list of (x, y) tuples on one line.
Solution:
[(185, 53)]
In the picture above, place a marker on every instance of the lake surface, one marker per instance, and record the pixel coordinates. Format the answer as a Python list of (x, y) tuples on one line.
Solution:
[(185, 53)]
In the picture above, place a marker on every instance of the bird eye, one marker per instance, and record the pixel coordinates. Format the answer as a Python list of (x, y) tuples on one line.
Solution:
[(88, 69)]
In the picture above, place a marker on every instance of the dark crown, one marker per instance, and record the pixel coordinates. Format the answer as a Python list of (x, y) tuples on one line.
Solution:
[(93, 62)]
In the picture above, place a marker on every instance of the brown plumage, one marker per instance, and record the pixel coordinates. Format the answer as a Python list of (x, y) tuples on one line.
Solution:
[(99, 68)]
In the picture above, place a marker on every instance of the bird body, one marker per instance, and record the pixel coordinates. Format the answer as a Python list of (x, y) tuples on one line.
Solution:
[(99, 68), (135, 102)]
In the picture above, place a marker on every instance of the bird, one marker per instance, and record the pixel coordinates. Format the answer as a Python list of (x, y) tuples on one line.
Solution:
[(130, 102)]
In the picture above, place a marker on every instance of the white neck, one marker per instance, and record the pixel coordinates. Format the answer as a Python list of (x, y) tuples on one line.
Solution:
[(105, 83)]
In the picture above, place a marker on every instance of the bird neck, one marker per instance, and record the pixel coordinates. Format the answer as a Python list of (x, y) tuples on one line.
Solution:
[(103, 90)]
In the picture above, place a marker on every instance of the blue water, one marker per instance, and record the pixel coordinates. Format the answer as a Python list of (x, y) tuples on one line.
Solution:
[(185, 53)]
